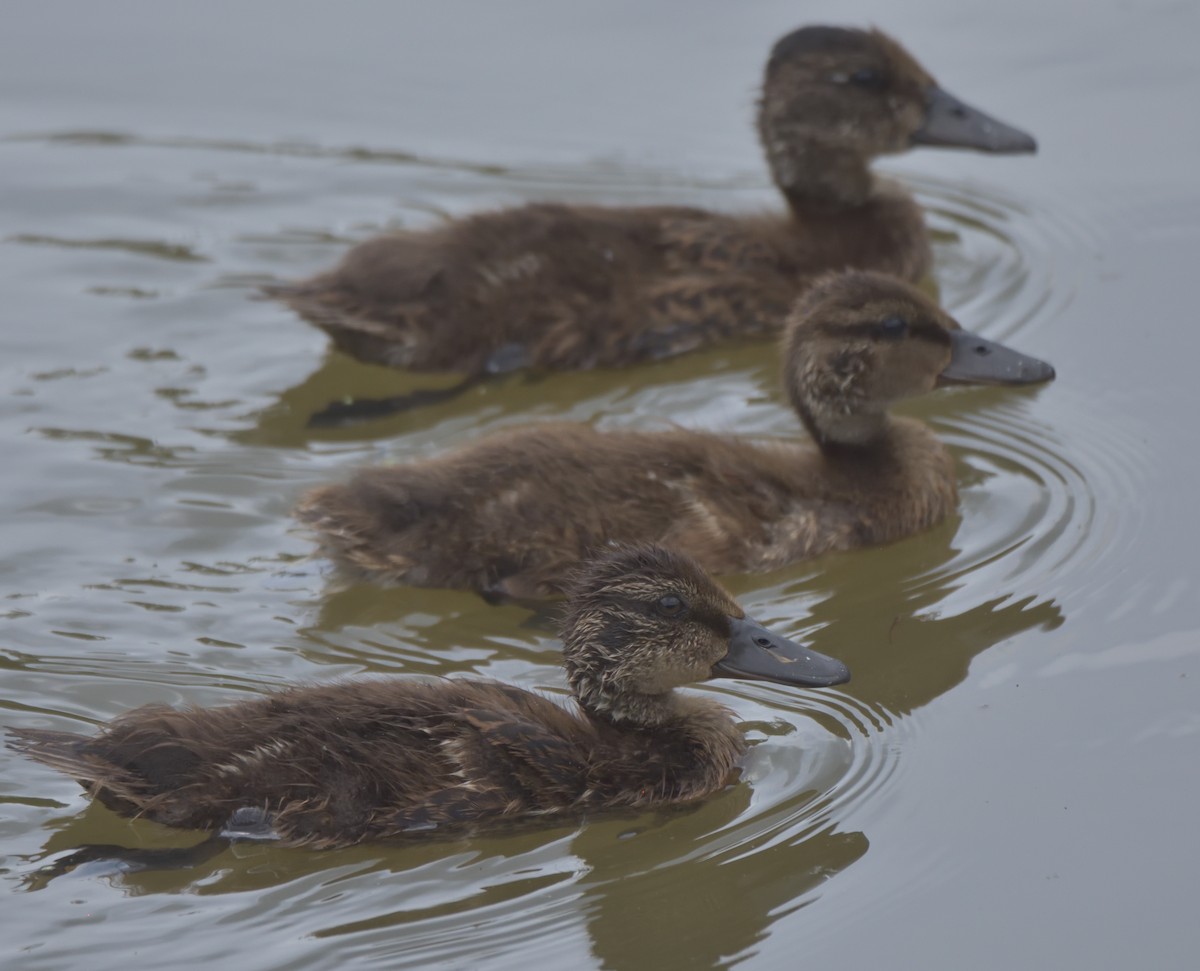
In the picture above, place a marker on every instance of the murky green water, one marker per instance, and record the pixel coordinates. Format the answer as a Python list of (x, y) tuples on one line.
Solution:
[(1009, 781)]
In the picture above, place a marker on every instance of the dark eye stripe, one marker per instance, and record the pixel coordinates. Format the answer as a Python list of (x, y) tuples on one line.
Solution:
[(921, 330), (868, 77), (715, 619), (864, 77)]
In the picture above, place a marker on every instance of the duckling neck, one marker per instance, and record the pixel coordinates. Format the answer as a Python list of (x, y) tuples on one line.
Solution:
[(816, 179), (629, 710), (834, 429)]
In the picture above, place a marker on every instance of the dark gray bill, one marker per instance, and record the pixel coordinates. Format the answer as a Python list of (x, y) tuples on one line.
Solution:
[(950, 123), (977, 360), (759, 655)]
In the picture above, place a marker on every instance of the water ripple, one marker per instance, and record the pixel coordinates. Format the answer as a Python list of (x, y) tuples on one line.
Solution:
[(1038, 504), (1001, 262), (826, 753)]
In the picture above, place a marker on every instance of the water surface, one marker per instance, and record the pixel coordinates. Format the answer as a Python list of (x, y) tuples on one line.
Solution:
[(1006, 782)]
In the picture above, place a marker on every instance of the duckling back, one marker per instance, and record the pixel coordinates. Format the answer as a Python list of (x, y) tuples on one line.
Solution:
[(561, 287)]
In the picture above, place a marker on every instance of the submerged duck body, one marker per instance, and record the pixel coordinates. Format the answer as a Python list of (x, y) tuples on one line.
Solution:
[(342, 763), (566, 287), (509, 516)]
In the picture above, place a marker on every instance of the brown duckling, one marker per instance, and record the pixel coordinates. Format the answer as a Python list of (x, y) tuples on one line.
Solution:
[(336, 764), (566, 287), (509, 515)]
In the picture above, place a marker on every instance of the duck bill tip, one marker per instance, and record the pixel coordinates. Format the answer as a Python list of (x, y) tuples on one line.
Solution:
[(949, 123), (977, 360)]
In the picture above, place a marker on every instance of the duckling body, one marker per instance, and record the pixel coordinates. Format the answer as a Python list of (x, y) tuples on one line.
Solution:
[(566, 287), (508, 516), (561, 287), (365, 760), (341, 763)]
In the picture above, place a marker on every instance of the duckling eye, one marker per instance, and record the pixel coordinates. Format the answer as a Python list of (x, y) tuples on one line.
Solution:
[(893, 328), (671, 606), (864, 77)]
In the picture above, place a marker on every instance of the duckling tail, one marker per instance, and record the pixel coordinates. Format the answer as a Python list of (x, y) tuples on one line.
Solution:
[(63, 751), (131, 772)]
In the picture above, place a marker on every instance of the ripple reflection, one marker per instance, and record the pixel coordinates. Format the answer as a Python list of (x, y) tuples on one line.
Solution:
[(1002, 263), (1036, 504)]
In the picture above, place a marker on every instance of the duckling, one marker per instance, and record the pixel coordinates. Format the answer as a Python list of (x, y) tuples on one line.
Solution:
[(569, 287), (510, 515), (336, 764)]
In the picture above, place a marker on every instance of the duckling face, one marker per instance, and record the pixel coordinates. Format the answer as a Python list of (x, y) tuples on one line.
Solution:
[(830, 90), (855, 89), (859, 341), (644, 620)]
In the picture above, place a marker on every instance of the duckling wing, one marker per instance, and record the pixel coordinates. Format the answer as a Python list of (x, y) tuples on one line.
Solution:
[(505, 765), (550, 286), (708, 243), (536, 763), (478, 294), (721, 277), (686, 312)]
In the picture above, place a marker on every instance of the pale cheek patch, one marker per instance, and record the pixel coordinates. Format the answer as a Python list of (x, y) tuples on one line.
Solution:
[(687, 667)]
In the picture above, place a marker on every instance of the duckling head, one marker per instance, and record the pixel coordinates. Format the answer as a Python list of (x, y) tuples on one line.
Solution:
[(857, 342), (643, 620), (835, 98)]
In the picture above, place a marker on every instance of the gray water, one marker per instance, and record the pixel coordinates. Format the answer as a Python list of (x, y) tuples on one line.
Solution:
[(1010, 779)]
